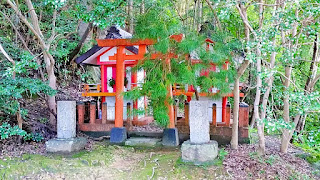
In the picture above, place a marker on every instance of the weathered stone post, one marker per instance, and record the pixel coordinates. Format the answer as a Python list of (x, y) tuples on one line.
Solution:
[(199, 149), (66, 140)]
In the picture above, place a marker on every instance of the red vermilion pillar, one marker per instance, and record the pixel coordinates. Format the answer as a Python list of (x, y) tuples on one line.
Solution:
[(170, 96), (120, 69)]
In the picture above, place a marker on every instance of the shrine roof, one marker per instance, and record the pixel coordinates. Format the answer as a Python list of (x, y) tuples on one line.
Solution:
[(113, 33)]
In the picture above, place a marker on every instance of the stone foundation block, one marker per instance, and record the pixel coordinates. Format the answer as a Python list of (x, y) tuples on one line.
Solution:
[(170, 137), (118, 135), (199, 153), (58, 145)]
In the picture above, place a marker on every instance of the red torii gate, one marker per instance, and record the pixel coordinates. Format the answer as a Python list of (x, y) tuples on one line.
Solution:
[(120, 57)]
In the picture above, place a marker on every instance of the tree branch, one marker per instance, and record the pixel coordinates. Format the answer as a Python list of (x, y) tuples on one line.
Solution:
[(245, 20), (34, 17), (73, 54), (54, 17), (9, 59), (16, 30), (215, 14), (43, 45), (242, 68)]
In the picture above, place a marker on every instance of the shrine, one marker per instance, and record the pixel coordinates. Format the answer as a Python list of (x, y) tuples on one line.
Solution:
[(116, 55)]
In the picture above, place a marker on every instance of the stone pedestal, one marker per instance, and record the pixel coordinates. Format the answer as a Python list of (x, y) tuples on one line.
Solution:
[(66, 130), (170, 137), (65, 145), (199, 153), (199, 149)]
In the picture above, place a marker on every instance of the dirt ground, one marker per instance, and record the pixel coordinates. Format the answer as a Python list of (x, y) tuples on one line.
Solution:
[(109, 162), (102, 161)]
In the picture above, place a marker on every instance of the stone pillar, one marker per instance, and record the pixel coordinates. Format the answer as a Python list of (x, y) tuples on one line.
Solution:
[(199, 149), (66, 140), (199, 122), (66, 119)]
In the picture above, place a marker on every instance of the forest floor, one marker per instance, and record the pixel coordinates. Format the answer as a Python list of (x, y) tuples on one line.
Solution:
[(103, 161)]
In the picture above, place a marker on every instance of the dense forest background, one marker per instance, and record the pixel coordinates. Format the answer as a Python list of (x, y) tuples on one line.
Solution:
[(273, 47)]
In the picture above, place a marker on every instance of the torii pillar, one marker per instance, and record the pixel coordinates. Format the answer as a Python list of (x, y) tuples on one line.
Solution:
[(170, 134), (119, 133)]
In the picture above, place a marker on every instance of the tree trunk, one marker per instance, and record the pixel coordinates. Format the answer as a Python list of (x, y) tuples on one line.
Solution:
[(199, 20), (309, 86), (234, 139), (286, 116), (195, 14), (51, 100), (271, 78), (130, 14), (142, 8), (240, 71), (256, 117), (19, 118), (287, 134)]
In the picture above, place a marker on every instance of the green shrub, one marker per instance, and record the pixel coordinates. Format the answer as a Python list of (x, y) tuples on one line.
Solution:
[(7, 131)]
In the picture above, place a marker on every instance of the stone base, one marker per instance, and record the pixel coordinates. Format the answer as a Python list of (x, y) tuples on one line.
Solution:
[(170, 137), (65, 145), (142, 142), (118, 135), (199, 153)]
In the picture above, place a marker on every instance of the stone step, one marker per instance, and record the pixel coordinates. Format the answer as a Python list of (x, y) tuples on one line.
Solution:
[(143, 141), (145, 134)]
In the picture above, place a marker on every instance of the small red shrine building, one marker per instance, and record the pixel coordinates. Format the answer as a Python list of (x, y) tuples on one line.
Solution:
[(116, 55)]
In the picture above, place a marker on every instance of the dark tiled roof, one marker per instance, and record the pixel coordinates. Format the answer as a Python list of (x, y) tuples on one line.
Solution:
[(87, 54), (113, 33)]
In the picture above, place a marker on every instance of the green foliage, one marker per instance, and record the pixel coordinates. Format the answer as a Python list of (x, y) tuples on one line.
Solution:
[(11, 90), (309, 139), (7, 131), (111, 82), (222, 154), (22, 86), (103, 13), (182, 72), (253, 136)]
